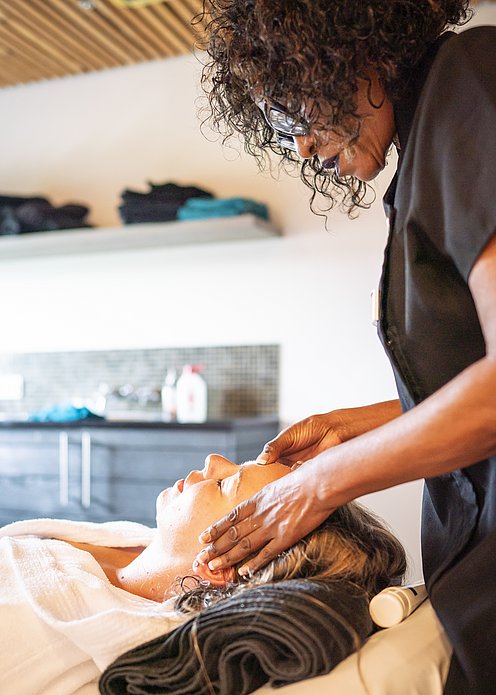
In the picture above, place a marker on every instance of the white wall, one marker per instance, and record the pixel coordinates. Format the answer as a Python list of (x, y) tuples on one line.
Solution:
[(87, 138)]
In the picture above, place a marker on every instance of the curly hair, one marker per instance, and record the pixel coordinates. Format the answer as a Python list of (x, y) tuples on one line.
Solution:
[(351, 545), (313, 51)]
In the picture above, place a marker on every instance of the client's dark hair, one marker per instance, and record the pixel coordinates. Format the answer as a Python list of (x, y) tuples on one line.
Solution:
[(352, 545)]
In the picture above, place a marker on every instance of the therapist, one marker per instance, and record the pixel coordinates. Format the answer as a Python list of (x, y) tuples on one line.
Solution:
[(330, 87)]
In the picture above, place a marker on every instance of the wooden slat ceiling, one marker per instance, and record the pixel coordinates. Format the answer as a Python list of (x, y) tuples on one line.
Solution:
[(45, 39)]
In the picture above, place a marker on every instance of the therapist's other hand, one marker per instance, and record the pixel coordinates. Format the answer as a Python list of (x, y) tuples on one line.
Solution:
[(271, 521), (305, 439), (310, 437)]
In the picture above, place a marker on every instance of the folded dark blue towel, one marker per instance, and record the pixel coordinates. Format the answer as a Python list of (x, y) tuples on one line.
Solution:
[(204, 208), (275, 633), (63, 413)]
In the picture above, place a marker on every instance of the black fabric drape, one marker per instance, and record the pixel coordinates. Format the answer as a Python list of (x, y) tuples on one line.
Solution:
[(276, 634)]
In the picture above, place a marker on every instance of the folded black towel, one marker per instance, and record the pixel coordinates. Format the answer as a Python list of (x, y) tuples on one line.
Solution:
[(159, 204), (9, 206), (152, 211), (9, 224), (44, 217), (19, 215), (164, 193), (280, 634), (13, 201), (171, 191)]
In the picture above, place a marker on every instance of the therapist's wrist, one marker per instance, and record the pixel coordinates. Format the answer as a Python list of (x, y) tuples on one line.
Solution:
[(352, 422)]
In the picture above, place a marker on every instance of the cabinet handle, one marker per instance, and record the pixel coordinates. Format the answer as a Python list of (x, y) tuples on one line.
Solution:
[(85, 469), (63, 469)]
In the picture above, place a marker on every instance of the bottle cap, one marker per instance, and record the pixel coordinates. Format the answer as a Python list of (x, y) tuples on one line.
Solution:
[(388, 608)]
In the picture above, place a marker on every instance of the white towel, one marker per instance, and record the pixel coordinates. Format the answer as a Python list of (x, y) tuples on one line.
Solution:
[(61, 621), (114, 534)]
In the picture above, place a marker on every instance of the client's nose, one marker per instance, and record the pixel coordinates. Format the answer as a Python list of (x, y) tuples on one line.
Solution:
[(217, 466)]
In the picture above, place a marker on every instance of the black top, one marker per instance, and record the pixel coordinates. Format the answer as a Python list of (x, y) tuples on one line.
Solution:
[(442, 210)]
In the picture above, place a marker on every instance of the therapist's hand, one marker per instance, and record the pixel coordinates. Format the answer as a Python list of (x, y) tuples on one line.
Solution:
[(271, 521), (305, 439), (310, 437)]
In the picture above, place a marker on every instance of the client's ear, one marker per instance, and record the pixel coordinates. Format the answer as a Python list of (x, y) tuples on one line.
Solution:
[(215, 577)]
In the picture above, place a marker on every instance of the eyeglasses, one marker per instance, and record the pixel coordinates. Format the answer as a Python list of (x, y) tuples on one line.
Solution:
[(285, 126)]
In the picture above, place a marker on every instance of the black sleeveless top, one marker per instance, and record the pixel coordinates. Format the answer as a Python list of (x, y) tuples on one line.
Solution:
[(442, 213)]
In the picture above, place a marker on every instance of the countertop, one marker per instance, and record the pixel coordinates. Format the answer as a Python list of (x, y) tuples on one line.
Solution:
[(145, 423)]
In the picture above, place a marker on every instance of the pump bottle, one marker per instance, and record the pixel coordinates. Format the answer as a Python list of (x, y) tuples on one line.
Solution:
[(191, 395)]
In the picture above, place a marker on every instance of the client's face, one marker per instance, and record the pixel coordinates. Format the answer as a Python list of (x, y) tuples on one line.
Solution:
[(187, 508)]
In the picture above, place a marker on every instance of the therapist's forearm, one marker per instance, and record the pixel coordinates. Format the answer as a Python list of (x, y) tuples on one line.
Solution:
[(453, 428), (357, 421)]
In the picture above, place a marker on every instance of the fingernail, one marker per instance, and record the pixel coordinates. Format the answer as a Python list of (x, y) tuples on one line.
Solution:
[(196, 564), (205, 537), (243, 571), (262, 459), (202, 557), (214, 564)]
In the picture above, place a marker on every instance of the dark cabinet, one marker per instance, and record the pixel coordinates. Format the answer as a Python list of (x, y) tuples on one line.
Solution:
[(105, 473), (35, 475)]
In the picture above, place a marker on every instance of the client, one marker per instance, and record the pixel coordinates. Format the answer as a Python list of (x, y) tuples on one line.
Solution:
[(75, 595)]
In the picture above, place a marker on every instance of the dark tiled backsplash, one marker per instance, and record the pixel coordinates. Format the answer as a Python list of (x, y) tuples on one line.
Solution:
[(242, 381)]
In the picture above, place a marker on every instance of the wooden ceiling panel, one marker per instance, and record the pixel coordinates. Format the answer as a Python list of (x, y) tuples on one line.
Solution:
[(45, 39)]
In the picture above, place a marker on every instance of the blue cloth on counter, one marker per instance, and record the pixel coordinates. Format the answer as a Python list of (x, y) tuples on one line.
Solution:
[(63, 413), (204, 208)]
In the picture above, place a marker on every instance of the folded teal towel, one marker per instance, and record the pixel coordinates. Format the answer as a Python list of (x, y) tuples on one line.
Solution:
[(203, 208), (63, 413)]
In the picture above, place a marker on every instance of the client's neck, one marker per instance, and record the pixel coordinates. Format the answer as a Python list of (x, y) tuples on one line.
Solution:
[(151, 575)]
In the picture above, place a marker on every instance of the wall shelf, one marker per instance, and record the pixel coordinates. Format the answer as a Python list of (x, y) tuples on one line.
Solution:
[(134, 237)]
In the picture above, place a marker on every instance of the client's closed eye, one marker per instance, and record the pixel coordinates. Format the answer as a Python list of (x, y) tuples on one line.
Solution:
[(219, 484)]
